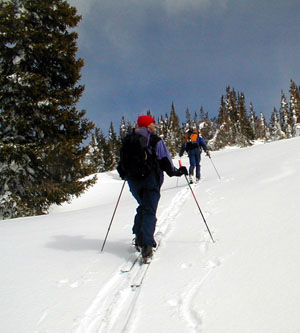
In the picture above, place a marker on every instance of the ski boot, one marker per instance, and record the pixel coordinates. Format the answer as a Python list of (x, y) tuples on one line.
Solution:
[(147, 254)]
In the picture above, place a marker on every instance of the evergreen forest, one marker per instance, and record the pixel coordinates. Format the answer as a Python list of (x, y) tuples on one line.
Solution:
[(235, 125), (43, 158)]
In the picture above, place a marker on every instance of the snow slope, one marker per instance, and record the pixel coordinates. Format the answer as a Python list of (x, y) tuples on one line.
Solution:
[(54, 278)]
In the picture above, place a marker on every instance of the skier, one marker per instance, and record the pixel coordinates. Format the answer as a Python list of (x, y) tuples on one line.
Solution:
[(193, 144), (146, 190)]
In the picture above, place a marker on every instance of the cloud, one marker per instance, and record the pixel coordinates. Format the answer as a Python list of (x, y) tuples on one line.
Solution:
[(148, 53), (124, 23), (178, 7), (83, 6)]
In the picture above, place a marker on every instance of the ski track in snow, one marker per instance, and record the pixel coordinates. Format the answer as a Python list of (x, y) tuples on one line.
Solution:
[(187, 300), (192, 316), (112, 309), (187, 308)]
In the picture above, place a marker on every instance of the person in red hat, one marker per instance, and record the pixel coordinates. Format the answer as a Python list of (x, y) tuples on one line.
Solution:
[(146, 190)]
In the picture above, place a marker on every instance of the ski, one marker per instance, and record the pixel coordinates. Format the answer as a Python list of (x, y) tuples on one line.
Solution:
[(192, 184), (145, 264), (193, 181), (139, 277), (128, 266)]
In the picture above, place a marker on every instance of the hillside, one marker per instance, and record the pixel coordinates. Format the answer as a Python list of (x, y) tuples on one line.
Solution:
[(54, 278)]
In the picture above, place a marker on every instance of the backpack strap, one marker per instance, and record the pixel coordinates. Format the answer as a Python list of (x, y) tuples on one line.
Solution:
[(153, 140)]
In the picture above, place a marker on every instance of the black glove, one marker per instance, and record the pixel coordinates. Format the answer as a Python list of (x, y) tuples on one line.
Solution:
[(207, 153), (121, 171), (180, 155), (181, 171)]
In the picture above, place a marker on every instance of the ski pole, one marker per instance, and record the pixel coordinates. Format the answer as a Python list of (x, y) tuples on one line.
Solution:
[(113, 215), (180, 164), (214, 166)]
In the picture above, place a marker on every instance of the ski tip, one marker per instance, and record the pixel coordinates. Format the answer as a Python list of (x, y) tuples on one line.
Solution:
[(134, 286)]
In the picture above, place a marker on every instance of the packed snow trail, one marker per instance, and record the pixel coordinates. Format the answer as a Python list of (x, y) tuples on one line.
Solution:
[(112, 309)]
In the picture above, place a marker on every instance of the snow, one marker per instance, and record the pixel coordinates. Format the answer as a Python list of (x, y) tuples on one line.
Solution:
[(55, 279)]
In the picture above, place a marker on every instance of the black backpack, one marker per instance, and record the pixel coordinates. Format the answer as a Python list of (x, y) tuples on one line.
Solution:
[(137, 159)]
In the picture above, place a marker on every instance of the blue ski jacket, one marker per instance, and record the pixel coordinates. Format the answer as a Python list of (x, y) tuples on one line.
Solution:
[(200, 142)]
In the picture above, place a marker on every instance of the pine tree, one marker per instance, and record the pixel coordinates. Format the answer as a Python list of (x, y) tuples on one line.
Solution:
[(233, 124), (276, 131), (205, 126), (254, 122), (41, 132), (246, 134), (232, 119), (123, 130), (164, 128), (222, 135), (295, 126), (195, 123), (174, 137), (159, 127), (285, 116), (99, 149), (114, 148), (188, 122), (295, 108), (263, 129)]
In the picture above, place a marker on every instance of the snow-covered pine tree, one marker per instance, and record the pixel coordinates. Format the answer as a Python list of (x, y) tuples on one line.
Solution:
[(295, 108), (295, 125), (98, 150), (245, 133), (233, 124), (205, 125), (164, 128), (276, 131), (41, 132), (188, 122), (263, 129), (222, 136), (285, 116), (231, 105), (123, 130), (114, 148), (254, 122), (174, 134), (195, 122), (159, 127)]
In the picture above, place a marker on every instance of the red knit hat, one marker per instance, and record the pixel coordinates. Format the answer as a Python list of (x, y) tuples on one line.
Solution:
[(145, 121)]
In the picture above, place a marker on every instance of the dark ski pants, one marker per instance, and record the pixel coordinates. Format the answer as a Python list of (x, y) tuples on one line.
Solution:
[(147, 194), (195, 158)]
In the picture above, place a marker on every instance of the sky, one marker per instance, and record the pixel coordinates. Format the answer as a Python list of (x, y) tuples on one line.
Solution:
[(54, 277), (143, 55)]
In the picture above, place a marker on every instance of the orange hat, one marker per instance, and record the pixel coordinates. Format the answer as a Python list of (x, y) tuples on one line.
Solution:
[(145, 121)]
